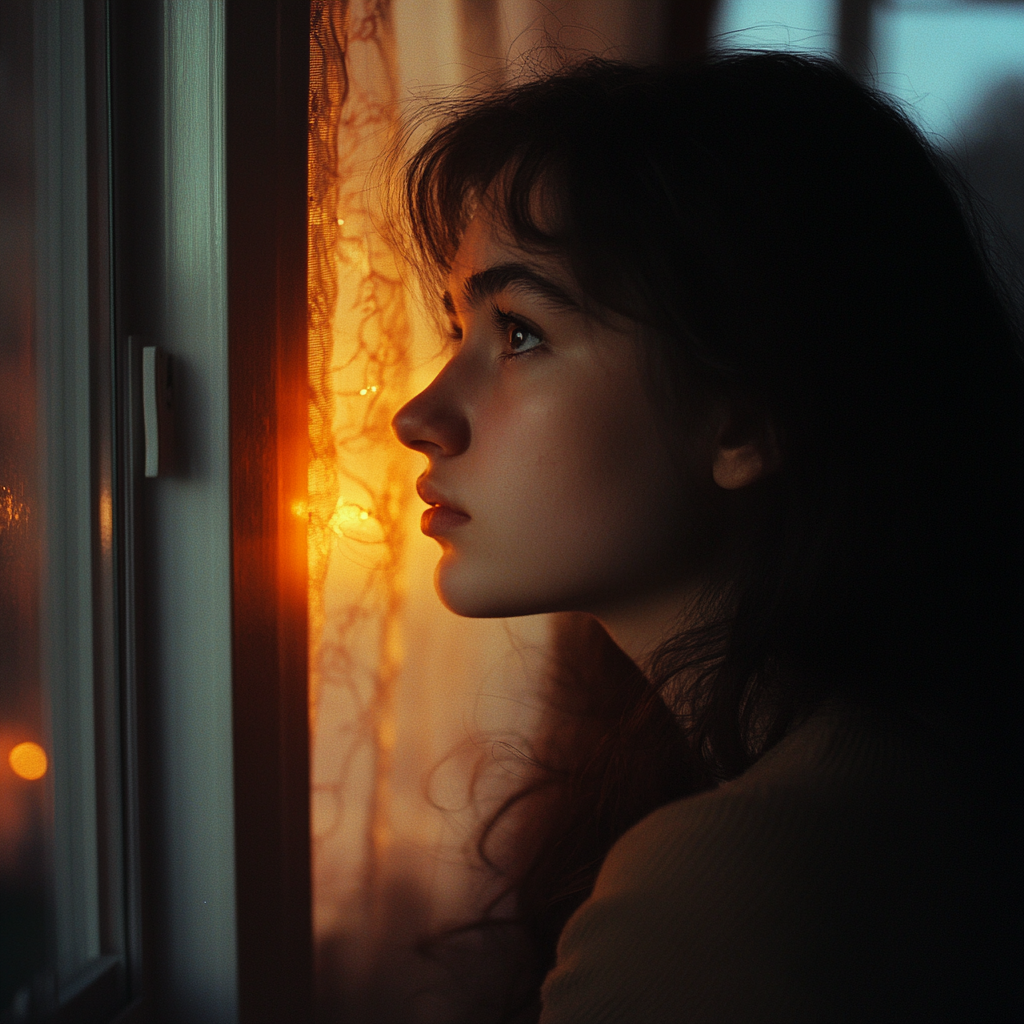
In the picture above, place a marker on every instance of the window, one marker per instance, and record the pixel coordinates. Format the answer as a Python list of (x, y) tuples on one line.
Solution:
[(152, 191), (64, 928)]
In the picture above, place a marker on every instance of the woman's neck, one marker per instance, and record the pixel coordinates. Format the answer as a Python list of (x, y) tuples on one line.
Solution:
[(641, 625)]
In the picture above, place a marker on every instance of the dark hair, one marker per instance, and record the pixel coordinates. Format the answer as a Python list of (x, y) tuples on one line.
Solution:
[(786, 239)]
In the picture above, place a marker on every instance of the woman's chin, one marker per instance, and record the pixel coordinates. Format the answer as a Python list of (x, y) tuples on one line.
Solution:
[(470, 602), (476, 595)]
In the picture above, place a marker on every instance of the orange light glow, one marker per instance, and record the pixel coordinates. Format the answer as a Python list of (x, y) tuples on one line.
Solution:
[(28, 760), (106, 517), (395, 679), (13, 511), (360, 480)]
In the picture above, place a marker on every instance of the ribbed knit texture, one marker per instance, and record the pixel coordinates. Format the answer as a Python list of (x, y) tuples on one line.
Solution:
[(822, 885)]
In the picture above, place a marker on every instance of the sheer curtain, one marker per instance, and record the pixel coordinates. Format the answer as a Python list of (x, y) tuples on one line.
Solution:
[(420, 717)]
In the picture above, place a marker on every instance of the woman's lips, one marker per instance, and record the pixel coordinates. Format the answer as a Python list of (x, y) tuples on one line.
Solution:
[(442, 516), (440, 519)]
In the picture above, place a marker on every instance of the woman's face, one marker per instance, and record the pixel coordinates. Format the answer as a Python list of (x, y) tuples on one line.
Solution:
[(551, 486)]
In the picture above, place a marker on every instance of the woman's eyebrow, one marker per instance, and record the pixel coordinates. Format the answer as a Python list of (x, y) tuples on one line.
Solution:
[(485, 283)]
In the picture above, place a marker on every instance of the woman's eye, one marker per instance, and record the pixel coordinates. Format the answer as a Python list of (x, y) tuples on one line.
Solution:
[(522, 339), (519, 339)]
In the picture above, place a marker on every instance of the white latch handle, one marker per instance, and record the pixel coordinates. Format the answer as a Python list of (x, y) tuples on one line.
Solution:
[(156, 409)]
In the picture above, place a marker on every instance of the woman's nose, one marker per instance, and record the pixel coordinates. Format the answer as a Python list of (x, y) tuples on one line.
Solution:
[(431, 423)]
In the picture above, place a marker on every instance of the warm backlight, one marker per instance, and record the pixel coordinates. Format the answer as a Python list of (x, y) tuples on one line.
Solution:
[(28, 760)]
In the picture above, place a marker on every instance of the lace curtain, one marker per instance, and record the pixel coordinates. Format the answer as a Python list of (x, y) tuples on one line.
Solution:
[(417, 715)]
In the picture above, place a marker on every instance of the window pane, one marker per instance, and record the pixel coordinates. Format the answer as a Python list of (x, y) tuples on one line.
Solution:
[(62, 353), (48, 840), (24, 787)]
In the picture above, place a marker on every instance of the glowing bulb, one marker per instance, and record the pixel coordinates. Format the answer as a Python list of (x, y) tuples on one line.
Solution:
[(356, 523), (28, 760), (341, 221), (362, 391)]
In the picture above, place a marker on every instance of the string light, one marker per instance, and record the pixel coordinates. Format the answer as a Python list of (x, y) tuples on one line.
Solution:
[(355, 522), (12, 511), (359, 328)]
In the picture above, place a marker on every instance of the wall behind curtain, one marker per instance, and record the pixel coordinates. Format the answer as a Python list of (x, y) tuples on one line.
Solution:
[(419, 717)]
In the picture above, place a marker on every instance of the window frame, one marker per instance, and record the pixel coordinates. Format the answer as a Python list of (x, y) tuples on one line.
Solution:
[(221, 89), (267, 133)]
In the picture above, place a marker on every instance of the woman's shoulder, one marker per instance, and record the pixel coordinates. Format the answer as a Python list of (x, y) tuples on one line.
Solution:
[(837, 777), (783, 895)]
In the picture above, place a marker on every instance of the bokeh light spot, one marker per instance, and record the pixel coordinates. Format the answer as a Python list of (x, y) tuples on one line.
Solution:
[(28, 760)]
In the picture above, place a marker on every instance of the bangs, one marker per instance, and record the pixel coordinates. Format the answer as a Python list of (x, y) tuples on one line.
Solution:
[(480, 157), (569, 165)]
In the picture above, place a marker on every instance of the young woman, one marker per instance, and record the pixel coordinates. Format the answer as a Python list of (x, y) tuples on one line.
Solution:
[(729, 375)]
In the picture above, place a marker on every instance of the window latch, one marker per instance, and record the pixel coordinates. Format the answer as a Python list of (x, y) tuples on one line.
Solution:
[(157, 407)]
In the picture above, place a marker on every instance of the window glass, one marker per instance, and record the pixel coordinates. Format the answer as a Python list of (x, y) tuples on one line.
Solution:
[(49, 521), (24, 742), (61, 343)]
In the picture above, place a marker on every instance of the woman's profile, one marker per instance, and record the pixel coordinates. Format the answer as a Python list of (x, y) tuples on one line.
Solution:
[(729, 375)]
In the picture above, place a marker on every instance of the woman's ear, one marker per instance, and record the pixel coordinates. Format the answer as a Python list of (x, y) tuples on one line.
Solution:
[(747, 450)]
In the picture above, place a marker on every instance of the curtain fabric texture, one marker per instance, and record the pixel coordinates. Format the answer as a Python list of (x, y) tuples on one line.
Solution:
[(419, 719)]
